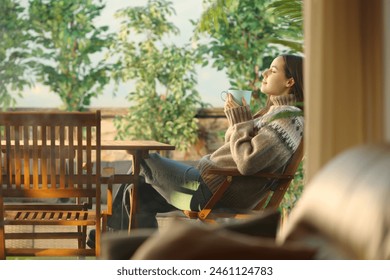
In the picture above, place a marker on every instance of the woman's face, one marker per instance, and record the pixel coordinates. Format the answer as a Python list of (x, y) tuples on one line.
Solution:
[(275, 81)]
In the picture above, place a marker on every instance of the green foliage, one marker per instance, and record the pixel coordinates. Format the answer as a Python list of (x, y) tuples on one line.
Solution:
[(14, 54), (216, 11), (164, 101), (66, 47)]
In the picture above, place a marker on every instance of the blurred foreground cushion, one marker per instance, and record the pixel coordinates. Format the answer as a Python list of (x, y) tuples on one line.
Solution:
[(345, 210), (182, 239), (188, 241)]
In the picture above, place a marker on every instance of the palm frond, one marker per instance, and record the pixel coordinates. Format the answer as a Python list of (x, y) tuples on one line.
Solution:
[(294, 45), (291, 9), (283, 115)]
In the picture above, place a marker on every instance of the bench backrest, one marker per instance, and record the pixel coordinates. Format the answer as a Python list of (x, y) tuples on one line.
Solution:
[(54, 153)]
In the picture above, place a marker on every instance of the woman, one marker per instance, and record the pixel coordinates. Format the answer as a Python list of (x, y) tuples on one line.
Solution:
[(262, 142)]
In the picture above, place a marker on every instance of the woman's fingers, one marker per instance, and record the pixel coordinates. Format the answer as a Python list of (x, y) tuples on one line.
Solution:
[(231, 103), (229, 97)]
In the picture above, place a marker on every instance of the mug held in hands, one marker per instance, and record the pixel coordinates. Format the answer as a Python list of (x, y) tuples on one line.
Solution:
[(238, 95)]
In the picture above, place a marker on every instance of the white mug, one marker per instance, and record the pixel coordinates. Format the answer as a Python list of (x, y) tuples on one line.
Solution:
[(238, 95)]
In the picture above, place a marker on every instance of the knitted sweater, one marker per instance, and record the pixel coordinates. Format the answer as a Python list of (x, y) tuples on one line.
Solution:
[(253, 145)]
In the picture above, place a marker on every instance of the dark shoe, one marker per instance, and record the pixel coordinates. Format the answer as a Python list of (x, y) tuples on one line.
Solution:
[(91, 239)]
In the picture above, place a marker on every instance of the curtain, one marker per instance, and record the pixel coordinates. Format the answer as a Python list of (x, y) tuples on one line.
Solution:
[(386, 19), (343, 77)]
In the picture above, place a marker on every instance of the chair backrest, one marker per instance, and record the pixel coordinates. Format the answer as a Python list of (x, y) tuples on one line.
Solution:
[(50, 154), (275, 197)]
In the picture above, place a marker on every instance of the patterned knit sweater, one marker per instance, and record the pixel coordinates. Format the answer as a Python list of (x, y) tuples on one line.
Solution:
[(253, 145)]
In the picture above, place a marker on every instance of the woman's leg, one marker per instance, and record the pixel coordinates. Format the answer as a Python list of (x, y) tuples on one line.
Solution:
[(169, 185), (181, 185), (150, 202)]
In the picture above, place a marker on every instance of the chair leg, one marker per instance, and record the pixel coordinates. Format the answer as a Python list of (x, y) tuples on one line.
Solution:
[(82, 230), (104, 223), (2, 243), (97, 241), (2, 230)]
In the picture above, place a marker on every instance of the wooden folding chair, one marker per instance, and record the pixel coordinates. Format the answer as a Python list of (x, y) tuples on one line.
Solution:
[(47, 158), (270, 201)]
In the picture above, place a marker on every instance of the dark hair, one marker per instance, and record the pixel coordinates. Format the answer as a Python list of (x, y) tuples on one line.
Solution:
[(293, 68)]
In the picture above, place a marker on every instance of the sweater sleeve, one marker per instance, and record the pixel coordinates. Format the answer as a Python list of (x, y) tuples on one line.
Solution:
[(269, 148), (238, 114)]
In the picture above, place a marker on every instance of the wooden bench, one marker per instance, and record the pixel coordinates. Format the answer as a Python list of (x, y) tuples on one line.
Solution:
[(47, 158)]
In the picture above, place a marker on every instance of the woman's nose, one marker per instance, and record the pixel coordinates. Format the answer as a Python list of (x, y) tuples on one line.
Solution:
[(265, 72)]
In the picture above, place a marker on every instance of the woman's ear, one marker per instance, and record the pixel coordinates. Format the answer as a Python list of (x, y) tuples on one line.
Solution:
[(290, 82)]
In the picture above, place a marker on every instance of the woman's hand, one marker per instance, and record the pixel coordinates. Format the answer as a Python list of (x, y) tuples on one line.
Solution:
[(230, 103)]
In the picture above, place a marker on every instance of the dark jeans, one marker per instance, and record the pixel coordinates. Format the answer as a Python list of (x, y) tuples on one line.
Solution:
[(166, 185)]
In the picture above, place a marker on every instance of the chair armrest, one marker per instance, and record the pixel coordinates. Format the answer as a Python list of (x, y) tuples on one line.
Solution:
[(235, 173)]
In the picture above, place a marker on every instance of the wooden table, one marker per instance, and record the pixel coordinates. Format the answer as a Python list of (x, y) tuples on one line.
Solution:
[(138, 149)]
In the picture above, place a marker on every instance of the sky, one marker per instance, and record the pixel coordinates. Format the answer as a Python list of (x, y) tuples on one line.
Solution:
[(210, 82)]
